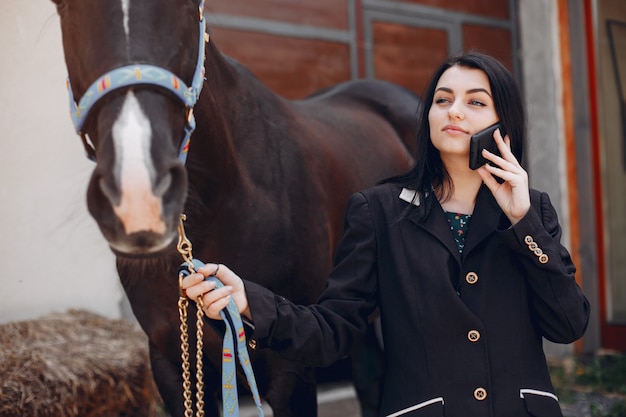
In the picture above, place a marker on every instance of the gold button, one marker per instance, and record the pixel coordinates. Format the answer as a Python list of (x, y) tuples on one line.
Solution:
[(533, 246), (528, 240), (473, 335), (480, 394), (543, 259), (252, 344), (471, 277), (538, 252)]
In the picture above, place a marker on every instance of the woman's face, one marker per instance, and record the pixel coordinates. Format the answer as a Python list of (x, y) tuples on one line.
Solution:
[(462, 106)]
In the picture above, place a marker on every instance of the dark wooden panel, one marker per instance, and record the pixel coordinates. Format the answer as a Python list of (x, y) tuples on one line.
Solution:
[(491, 8), (408, 55), (291, 67), (320, 13), (492, 41)]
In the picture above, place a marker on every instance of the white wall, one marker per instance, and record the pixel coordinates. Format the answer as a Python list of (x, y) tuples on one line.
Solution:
[(52, 256)]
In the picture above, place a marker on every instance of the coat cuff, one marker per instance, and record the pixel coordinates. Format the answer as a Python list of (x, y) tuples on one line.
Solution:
[(529, 237), (262, 304)]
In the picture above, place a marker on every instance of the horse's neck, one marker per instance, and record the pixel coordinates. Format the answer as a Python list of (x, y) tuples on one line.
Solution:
[(212, 146), (235, 94), (231, 114)]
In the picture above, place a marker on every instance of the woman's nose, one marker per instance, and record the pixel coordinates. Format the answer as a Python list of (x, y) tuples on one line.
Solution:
[(455, 113)]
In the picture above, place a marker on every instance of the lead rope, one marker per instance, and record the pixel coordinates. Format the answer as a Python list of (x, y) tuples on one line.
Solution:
[(230, 351)]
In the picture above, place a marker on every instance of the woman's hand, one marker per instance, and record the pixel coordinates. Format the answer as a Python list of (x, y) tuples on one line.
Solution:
[(512, 195), (215, 300)]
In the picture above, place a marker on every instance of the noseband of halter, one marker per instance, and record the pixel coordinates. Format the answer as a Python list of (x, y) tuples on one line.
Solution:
[(148, 75)]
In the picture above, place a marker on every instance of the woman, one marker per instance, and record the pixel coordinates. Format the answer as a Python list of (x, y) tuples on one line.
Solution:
[(463, 312)]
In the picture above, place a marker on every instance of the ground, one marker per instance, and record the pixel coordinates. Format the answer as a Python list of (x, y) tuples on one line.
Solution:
[(592, 385)]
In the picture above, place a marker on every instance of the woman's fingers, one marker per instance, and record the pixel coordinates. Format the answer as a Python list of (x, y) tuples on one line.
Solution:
[(210, 269), (222, 272), (504, 148), (215, 300), (195, 285), (511, 190)]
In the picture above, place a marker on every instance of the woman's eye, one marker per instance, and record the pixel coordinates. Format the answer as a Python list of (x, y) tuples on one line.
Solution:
[(441, 100), (476, 103)]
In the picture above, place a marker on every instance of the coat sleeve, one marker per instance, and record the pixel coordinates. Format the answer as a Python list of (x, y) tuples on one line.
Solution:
[(561, 311), (320, 334)]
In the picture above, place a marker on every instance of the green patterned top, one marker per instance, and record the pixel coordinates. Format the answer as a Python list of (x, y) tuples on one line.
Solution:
[(458, 224)]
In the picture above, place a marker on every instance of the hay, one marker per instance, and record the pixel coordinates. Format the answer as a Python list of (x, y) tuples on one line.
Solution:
[(75, 364)]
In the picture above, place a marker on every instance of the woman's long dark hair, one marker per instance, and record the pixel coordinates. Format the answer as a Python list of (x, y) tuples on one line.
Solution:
[(429, 173)]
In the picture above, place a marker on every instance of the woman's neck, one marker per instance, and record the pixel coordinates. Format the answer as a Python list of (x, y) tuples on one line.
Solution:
[(465, 188)]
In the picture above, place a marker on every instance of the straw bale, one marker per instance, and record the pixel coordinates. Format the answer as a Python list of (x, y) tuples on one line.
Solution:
[(75, 364)]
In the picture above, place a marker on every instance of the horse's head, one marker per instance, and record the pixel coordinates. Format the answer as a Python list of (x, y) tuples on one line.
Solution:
[(129, 63)]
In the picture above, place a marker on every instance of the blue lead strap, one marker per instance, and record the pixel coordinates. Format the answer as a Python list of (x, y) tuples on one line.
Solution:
[(230, 351)]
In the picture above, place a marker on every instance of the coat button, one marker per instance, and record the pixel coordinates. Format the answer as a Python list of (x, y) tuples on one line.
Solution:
[(538, 252), (480, 394), (533, 246), (471, 277), (473, 335), (543, 259), (528, 240), (252, 344)]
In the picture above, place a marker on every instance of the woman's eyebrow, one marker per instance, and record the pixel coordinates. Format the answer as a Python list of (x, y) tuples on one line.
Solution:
[(478, 90), (470, 91)]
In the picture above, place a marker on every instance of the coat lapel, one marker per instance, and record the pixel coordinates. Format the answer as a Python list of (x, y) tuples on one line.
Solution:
[(485, 219), (437, 225)]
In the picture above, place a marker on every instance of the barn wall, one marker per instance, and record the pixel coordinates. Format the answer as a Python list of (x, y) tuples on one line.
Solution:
[(298, 47)]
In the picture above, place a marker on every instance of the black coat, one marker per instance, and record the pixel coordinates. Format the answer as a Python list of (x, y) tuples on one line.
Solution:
[(473, 350)]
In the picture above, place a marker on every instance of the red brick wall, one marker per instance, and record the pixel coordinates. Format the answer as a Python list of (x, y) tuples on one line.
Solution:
[(490, 8), (290, 66), (372, 43)]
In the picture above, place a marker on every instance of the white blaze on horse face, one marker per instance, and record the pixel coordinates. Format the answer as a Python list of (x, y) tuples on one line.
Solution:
[(139, 209), (125, 9)]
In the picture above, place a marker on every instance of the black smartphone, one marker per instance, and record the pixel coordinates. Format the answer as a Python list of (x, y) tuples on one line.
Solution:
[(483, 140)]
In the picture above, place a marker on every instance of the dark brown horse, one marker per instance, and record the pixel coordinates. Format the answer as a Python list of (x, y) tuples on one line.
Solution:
[(264, 186)]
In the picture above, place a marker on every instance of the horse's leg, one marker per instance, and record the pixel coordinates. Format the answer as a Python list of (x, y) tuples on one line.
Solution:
[(169, 381), (367, 371), (292, 391)]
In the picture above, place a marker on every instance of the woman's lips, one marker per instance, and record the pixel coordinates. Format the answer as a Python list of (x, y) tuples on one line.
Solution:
[(454, 129)]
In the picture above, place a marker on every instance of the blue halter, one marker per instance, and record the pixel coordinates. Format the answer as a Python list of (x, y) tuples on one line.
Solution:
[(141, 74)]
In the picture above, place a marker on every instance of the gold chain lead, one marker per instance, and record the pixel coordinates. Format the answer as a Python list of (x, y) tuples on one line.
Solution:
[(184, 248), (183, 302)]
